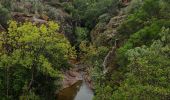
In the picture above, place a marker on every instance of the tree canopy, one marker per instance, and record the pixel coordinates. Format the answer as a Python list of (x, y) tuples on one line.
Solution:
[(31, 57)]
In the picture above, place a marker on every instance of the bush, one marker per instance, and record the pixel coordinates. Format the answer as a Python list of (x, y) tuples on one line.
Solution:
[(4, 16), (88, 11), (141, 28), (147, 72), (133, 6), (93, 54), (82, 34)]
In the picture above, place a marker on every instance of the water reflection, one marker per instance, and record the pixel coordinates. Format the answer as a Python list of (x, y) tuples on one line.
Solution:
[(85, 93), (79, 91)]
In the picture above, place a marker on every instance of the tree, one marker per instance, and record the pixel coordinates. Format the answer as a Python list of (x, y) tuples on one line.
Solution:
[(4, 16), (148, 71), (143, 26), (31, 57), (143, 66)]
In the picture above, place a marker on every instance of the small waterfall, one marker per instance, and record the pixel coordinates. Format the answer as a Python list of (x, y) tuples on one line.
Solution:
[(108, 60)]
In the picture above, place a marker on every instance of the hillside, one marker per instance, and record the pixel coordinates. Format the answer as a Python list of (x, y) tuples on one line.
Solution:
[(60, 49)]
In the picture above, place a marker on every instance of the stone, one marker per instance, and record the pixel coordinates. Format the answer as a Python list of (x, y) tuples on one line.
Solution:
[(103, 32), (71, 77)]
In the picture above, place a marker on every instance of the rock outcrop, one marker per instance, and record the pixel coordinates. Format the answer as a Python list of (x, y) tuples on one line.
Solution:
[(65, 22), (62, 18), (46, 10), (103, 33), (76, 74), (22, 17), (71, 77), (109, 61), (88, 79)]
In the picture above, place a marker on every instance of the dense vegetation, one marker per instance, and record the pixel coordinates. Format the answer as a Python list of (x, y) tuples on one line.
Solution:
[(32, 55), (142, 59)]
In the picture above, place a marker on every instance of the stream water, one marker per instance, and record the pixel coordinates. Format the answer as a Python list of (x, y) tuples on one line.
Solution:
[(78, 91)]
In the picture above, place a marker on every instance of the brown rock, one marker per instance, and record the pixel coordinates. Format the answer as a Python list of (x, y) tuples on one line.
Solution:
[(70, 78), (22, 17), (44, 17), (103, 33)]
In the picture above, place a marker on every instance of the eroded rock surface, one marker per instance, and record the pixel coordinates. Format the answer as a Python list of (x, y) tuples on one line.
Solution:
[(88, 80), (71, 77), (22, 17), (103, 32)]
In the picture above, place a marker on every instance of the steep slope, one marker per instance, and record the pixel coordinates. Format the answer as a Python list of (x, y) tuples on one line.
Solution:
[(104, 34), (109, 60)]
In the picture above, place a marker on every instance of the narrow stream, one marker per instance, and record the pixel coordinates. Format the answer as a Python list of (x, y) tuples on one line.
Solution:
[(85, 93), (78, 91)]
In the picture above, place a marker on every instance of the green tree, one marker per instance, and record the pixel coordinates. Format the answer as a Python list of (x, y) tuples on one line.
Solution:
[(143, 56), (147, 75), (90, 10), (31, 58), (4, 16), (143, 26)]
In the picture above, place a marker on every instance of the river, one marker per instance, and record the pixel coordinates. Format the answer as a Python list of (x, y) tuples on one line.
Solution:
[(78, 91)]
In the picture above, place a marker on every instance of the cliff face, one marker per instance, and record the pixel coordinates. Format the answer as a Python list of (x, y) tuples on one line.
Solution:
[(109, 60), (104, 32), (65, 22), (104, 35)]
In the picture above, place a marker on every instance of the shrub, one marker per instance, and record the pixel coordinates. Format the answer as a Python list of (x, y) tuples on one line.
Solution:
[(147, 72), (4, 16)]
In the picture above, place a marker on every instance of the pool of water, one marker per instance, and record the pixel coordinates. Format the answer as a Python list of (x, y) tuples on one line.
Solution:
[(78, 91)]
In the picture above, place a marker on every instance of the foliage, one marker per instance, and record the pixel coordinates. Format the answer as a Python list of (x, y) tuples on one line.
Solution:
[(92, 54), (103, 93), (88, 11), (142, 37), (133, 6), (142, 27), (51, 12), (4, 16), (143, 56), (31, 58), (81, 34), (6, 3), (141, 17), (147, 72), (27, 6)]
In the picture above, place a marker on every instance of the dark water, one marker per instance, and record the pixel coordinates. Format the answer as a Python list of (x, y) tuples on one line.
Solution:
[(79, 91)]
